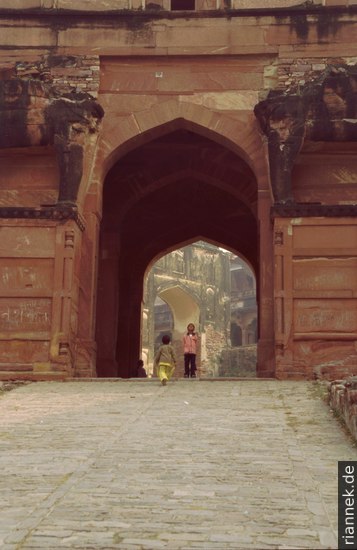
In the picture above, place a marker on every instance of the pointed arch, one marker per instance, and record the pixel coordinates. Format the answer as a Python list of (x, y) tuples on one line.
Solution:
[(121, 135), (143, 217)]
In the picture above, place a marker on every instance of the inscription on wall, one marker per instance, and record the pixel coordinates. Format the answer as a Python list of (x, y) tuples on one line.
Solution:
[(339, 316), (26, 274), (325, 277), (25, 315)]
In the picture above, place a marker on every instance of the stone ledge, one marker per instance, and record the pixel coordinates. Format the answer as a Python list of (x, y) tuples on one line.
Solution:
[(55, 213), (343, 400), (301, 210)]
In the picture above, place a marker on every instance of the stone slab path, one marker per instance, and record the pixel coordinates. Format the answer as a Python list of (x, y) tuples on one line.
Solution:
[(193, 465)]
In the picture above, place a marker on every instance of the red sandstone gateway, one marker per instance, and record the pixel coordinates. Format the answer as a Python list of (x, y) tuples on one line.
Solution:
[(252, 107)]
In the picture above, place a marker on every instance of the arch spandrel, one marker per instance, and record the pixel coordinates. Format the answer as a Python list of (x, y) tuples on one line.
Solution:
[(120, 135)]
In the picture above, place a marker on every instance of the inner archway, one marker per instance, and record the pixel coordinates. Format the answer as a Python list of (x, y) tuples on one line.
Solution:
[(184, 308), (211, 287), (175, 189)]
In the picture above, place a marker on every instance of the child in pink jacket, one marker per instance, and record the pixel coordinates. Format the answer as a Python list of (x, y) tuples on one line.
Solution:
[(190, 340)]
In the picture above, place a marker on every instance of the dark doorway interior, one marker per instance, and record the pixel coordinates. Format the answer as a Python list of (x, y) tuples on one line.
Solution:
[(236, 335), (170, 191)]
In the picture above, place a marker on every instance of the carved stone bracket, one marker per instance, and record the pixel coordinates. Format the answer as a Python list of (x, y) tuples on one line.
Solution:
[(69, 239)]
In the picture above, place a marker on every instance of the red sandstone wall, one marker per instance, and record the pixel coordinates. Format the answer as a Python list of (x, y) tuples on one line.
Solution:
[(38, 298), (316, 297), (28, 177), (327, 174)]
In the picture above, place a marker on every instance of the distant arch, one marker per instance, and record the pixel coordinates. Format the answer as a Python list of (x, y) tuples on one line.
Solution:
[(183, 307)]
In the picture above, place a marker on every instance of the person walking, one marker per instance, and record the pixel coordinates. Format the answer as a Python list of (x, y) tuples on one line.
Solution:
[(190, 340), (165, 360)]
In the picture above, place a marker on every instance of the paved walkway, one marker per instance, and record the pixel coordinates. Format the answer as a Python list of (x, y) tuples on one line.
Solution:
[(194, 465)]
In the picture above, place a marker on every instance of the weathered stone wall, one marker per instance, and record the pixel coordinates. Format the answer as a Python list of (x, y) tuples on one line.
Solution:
[(238, 362), (214, 341), (65, 73), (292, 74), (40, 110)]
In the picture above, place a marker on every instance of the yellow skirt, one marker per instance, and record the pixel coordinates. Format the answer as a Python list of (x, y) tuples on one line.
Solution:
[(165, 371)]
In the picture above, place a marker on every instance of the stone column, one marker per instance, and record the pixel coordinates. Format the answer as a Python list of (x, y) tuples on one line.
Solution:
[(85, 360), (283, 302), (265, 288)]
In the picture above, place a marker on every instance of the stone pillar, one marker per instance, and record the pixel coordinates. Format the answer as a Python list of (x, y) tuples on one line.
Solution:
[(65, 297), (283, 302), (85, 361), (265, 289)]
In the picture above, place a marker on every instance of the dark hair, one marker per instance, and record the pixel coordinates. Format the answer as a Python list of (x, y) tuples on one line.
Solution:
[(140, 363), (165, 339)]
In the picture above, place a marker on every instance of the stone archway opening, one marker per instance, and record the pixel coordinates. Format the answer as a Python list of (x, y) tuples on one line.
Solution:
[(213, 288), (177, 188)]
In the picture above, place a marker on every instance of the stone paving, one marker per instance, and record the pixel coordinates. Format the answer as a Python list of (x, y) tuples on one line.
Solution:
[(193, 465)]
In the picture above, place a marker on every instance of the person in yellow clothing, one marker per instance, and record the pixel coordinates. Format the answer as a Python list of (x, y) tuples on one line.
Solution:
[(165, 360)]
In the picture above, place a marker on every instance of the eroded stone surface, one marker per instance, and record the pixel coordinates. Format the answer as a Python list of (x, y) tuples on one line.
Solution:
[(31, 114)]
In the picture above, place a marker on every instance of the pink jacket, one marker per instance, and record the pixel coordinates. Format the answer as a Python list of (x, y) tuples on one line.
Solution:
[(190, 343)]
